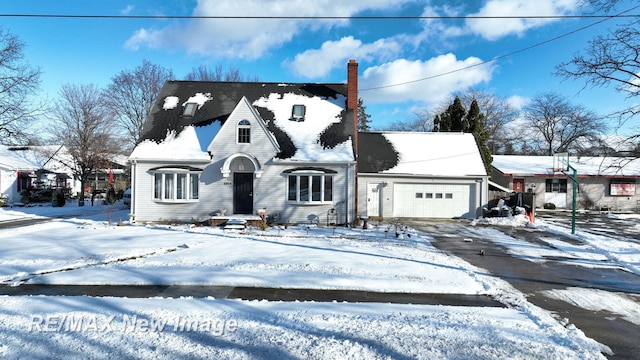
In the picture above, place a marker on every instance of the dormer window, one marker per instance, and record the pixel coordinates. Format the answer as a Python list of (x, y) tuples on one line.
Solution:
[(297, 113), (190, 109)]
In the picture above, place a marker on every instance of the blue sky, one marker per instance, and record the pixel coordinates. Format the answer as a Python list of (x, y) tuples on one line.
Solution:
[(389, 51)]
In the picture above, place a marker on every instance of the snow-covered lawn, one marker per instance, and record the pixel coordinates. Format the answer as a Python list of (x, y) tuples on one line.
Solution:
[(89, 250)]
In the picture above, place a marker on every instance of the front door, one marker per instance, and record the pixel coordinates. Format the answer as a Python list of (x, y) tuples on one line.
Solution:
[(243, 193), (518, 185), (373, 199)]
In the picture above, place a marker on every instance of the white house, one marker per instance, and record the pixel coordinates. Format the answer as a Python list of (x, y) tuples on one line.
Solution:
[(420, 175), (233, 148), (603, 182), (34, 168)]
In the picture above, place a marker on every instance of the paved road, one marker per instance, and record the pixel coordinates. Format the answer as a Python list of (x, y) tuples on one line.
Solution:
[(533, 278), (249, 293), (33, 220)]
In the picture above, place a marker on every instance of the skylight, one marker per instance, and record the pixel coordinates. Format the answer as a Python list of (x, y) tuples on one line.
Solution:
[(190, 109), (297, 113)]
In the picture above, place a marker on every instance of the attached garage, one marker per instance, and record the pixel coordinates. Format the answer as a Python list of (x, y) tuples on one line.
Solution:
[(420, 175), (432, 200)]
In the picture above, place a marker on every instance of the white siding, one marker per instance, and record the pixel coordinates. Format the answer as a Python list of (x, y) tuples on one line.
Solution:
[(216, 193), (397, 196), (8, 185), (269, 183)]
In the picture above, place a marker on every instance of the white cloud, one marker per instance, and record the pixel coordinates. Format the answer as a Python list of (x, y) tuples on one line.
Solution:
[(434, 89), (250, 38), (518, 102), (492, 29), (317, 63), (127, 10)]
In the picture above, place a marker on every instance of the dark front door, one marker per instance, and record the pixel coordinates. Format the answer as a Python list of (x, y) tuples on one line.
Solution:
[(243, 193)]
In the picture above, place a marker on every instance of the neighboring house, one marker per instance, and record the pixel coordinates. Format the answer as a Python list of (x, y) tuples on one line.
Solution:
[(604, 182), (34, 168), (113, 171), (420, 175), (226, 148)]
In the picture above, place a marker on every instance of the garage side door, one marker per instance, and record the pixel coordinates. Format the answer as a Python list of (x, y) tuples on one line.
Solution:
[(433, 200)]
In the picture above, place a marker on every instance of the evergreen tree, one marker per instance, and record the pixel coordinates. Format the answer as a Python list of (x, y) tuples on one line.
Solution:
[(451, 120), (457, 117), (475, 121), (363, 117), (436, 123), (445, 121)]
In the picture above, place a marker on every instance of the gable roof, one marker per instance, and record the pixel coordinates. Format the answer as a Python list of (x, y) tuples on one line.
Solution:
[(419, 153), (216, 100), (523, 165), (244, 105)]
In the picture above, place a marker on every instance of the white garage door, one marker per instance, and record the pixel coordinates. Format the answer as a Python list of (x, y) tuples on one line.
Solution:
[(433, 200)]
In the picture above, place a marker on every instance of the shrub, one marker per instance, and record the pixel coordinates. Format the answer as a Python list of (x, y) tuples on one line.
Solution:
[(3, 200), (550, 206), (587, 204)]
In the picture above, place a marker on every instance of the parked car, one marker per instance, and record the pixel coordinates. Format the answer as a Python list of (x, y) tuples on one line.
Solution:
[(126, 197)]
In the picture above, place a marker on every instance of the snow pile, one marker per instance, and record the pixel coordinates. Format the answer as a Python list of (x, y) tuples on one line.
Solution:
[(598, 300), (83, 327), (198, 98), (170, 102)]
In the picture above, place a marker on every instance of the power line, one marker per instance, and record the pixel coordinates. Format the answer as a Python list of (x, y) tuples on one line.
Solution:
[(620, 15), (352, 17)]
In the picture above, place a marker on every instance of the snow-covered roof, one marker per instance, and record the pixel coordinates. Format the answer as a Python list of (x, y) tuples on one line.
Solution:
[(420, 153), (305, 135), (586, 165), (183, 146), (325, 134), (34, 157)]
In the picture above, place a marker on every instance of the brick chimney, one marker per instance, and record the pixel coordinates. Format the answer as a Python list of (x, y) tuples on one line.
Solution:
[(352, 105), (352, 99)]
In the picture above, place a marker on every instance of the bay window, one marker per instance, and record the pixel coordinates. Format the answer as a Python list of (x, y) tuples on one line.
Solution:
[(310, 188), (175, 186)]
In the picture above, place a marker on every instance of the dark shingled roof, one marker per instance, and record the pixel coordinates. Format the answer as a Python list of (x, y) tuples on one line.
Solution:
[(375, 153), (225, 97)]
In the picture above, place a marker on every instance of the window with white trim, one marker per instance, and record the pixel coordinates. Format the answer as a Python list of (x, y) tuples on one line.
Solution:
[(244, 132), (171, 186), (310, 188)]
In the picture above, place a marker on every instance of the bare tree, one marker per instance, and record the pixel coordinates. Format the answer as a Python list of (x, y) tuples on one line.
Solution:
[(132, 94), (421, 121), (85, 125), (205, 73), (18, 81), (610, 59), (556, 125), (497, 113)]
